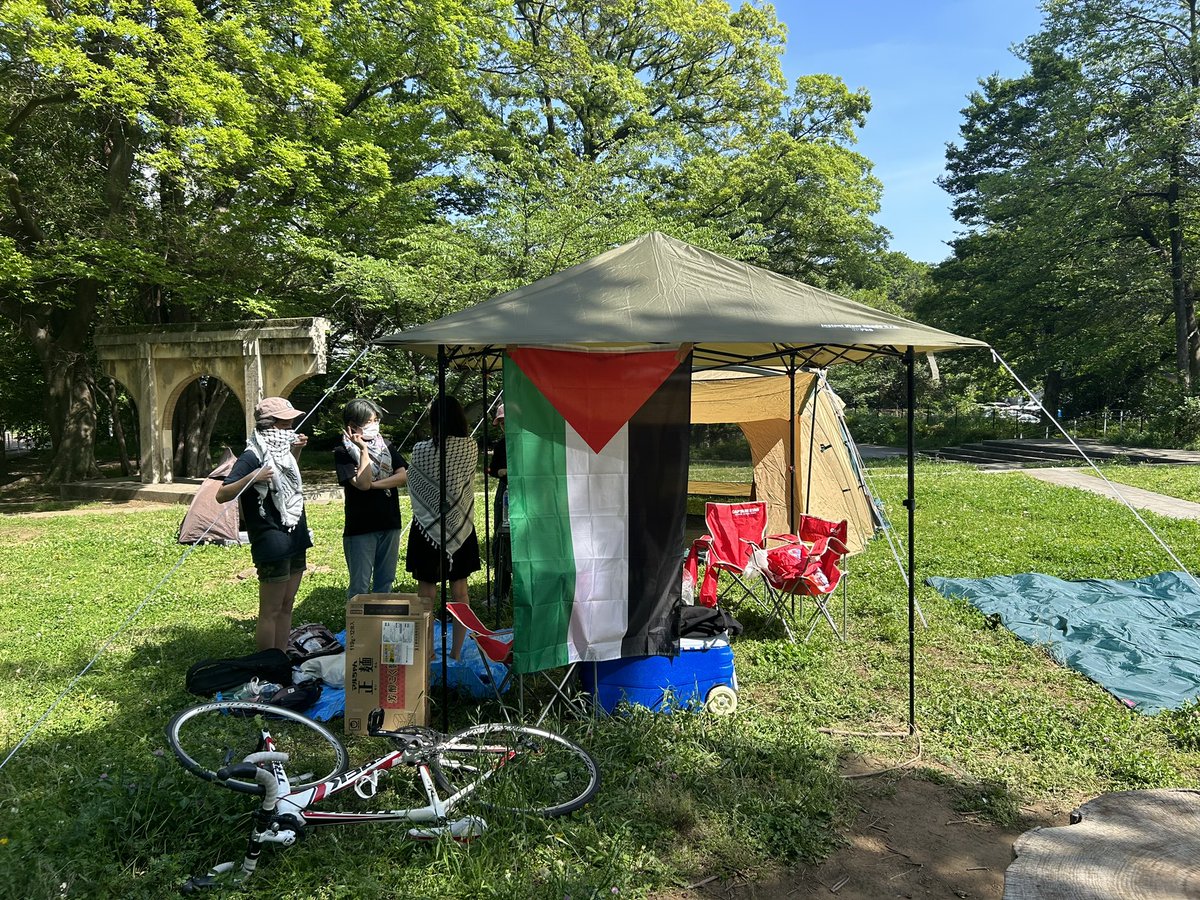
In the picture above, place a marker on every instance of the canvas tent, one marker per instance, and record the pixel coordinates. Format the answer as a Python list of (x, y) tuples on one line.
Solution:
[(207, 520), (657, 292), (805, 436)]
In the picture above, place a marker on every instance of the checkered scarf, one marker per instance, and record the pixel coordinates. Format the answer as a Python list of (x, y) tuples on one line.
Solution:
[(273, 447), (462, 456)]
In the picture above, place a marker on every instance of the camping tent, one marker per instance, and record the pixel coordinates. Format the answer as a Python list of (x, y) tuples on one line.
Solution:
[(208, 521), (657, 291), (786, 419)]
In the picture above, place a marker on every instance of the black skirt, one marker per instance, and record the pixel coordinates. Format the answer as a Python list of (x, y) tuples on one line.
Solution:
[(425, 560)]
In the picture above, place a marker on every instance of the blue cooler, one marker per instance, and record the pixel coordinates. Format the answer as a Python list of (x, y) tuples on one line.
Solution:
[(701, 677)]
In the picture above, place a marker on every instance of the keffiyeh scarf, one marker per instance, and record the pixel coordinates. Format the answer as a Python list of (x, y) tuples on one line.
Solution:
[(462, 455), (274, 448), (377, 449)]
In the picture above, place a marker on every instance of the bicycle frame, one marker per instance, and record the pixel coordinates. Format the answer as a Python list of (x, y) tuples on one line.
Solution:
[(285, 802), (284, 813)]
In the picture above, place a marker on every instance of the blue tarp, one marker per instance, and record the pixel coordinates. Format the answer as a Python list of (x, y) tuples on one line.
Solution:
[(1139, 640)]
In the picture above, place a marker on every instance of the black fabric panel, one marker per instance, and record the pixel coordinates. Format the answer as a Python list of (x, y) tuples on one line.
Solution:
[(658, 472)]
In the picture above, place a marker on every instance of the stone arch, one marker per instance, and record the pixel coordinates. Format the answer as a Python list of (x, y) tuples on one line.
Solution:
[(256, 359)]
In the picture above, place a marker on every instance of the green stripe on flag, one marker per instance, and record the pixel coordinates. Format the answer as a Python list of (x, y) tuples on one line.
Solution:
[(543, 555)]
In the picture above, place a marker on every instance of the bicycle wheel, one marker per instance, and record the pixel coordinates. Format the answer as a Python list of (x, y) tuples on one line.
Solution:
[(221, 733), (518, 769)]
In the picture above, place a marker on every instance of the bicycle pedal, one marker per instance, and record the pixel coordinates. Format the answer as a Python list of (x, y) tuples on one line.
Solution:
[(462, 830)]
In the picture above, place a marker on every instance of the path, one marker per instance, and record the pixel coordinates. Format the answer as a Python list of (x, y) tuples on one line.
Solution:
[(1172, 507)]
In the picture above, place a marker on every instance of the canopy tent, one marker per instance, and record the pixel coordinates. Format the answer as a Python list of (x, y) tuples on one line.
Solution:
[(656, 291), (792, 425), (659, 290)]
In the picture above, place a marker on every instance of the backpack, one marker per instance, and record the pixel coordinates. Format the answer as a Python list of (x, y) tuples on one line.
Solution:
[(310, 641), (208, 676), (702, 622), (297, 697)]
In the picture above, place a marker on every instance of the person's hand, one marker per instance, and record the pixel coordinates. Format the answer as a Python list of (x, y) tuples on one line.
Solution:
[(354, 435), (264, 474), (299, 443)]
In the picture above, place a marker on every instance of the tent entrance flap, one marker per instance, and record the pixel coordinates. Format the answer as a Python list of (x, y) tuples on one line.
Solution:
[(825, 480)]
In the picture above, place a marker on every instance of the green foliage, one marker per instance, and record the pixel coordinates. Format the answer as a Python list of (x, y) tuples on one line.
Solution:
[(1075, 183)]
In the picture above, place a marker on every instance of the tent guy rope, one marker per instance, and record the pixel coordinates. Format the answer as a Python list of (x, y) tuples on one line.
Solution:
[(132, 616)]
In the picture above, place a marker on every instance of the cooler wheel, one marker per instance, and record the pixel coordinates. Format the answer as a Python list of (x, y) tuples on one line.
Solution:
[(721, 701)]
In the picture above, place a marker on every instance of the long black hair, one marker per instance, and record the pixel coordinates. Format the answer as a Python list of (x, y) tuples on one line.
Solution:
[(456, 419)]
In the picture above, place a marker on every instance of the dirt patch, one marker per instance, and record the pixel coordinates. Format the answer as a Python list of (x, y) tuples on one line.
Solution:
[(907, 841)]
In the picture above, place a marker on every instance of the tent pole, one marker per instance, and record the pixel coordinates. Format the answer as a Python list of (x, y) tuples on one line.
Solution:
[(910, 503), (792, 448), (445, 586), (487, 509), (812, 437)]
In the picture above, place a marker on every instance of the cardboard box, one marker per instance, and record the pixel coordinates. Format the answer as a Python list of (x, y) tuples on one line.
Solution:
[(388, 641)]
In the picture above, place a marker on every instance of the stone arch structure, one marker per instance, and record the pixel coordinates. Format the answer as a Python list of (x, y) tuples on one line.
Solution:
[(256, 359)]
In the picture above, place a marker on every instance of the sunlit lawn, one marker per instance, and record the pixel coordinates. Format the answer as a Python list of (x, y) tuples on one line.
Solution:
[(91, 805)]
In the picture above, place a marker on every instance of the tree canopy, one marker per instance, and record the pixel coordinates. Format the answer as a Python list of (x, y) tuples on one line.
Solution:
[(1077, 186), (383, 162)]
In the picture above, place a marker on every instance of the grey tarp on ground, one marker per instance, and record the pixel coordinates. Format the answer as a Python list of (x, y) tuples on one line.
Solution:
[(1139, 640), (659, 290)]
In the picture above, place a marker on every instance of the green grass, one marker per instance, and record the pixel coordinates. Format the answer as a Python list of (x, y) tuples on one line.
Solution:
[(1175, 481), (92, 806)]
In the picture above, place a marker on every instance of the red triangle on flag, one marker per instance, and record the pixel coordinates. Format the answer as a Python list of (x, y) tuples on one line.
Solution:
[(597, 392)]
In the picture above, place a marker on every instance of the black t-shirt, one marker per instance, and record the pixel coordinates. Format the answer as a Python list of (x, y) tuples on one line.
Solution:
[(499, 461), (370, 510), (270, 541)]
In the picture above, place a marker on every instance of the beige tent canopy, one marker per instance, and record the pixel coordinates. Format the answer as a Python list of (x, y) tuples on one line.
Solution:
[(659, 290), (826, 480)]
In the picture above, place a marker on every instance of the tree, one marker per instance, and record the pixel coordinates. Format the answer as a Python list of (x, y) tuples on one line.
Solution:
[(1077, 184), (163, 156)]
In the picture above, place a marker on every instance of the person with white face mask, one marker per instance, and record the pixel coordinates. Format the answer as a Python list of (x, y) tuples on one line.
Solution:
[(267, 479), (371, 471)]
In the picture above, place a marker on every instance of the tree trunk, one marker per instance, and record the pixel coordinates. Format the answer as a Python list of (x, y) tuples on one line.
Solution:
[(118, 428), (60, 341), (1052, 391), (1186, 360), (194, 421)]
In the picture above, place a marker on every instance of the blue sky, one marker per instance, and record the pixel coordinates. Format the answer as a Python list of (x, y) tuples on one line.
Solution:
[(918, 59)]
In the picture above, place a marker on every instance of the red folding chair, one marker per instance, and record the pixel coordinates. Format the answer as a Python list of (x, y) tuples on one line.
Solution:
[(735, 532), (809, 565), (496, 646)]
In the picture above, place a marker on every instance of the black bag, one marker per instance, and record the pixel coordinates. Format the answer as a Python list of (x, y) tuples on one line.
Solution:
[(705, 622), (310, 641), (208, 676), (297, 697)]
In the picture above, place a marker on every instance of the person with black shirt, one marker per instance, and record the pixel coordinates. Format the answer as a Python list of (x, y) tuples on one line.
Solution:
[(501, 541), (267, 479), (371, 471)]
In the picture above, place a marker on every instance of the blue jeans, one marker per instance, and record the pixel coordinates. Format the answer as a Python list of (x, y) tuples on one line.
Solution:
[(371, 560)]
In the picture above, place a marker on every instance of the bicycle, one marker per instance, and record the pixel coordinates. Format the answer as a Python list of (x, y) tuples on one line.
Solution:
[(244, 745)]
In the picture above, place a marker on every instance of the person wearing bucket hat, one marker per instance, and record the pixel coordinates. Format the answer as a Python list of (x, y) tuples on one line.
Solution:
[(266, 478)]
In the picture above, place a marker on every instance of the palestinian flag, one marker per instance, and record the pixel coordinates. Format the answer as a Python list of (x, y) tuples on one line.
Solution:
[(597, 484)]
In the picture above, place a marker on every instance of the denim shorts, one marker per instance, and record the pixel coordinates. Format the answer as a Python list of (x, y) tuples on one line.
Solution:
[(281, 569)]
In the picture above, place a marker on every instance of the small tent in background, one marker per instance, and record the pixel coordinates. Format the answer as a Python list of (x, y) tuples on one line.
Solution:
[(827, 480), (204, 510)]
